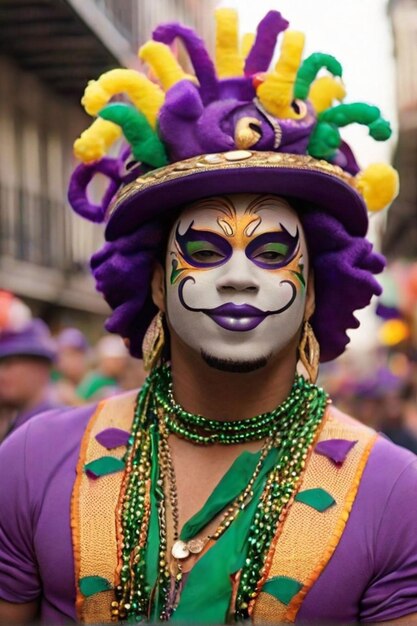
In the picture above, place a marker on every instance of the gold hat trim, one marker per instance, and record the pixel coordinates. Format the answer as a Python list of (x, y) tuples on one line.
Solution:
[(236, 159)]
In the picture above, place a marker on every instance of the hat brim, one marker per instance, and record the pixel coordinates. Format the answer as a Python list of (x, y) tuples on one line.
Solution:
[(161, 191), (24, 351)]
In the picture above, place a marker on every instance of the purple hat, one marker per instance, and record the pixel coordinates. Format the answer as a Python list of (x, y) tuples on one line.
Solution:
[(235, 126), (32, 340), (72, 338)]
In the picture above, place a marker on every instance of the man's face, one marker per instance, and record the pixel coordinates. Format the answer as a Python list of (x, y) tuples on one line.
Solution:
[(236, 273), (22, 379), (72, 364)]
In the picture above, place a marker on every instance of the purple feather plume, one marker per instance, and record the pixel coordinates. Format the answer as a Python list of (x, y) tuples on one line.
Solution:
[(81, 178), (262, 51), (203, 65)]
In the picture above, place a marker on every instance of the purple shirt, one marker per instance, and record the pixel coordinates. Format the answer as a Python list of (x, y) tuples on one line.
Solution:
[(24, 416), (371, 577)]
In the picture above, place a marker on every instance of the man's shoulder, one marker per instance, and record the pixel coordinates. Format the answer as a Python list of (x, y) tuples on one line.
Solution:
[(49, 434), (66, 424), (389, 470), (336, 417), (61, 423), (47, 447)]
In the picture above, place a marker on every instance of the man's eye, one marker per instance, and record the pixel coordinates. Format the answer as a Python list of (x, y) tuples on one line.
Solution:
[(269, 256), (271, 253), (207, 255), (204, 253)]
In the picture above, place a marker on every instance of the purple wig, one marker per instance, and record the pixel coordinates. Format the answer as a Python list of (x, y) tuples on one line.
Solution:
[(343, 274), (343, 268)]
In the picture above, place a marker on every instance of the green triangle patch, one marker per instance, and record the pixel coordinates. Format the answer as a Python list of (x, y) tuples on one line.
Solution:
[(318, 499), (89, 585), (104, 465), (282, 588)]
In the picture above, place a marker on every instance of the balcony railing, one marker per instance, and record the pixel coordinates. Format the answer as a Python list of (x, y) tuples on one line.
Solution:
[(42, 231)]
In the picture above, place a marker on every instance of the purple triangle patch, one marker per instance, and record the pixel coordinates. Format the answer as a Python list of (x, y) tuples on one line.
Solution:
[(113, 438), (335, 449)]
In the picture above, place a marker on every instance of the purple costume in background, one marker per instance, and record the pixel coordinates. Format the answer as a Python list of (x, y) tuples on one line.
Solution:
[(371, 577), (32, 341)]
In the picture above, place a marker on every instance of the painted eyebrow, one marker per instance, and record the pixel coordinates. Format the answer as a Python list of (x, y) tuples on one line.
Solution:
[(283, 236), (192, 235)]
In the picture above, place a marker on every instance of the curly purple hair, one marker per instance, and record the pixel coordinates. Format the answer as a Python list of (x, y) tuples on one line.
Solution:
[(343, 266)]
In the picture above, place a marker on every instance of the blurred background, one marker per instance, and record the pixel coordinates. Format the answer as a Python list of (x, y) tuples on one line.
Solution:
[(49, 49)]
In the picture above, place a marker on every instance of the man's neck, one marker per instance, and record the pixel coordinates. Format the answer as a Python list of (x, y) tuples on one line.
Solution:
[(201, 389)]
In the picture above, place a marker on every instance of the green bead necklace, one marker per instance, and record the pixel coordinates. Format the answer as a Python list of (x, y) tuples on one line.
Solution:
[(278, 494), (290, 428), (204, 431)]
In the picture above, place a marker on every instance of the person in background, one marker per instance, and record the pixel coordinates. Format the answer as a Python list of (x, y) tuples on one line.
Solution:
[(398, 411), (72, 364), (26, 357), (112, 360)]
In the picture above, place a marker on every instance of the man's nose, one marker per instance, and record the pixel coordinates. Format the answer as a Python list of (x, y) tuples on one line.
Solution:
[(239, 274)]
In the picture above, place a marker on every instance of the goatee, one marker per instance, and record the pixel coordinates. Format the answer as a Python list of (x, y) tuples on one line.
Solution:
[(236, 367)]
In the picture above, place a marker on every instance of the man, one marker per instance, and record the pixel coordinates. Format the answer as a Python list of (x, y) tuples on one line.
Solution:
[(26, 357), (72, 364), (228, 487), (112, 360)]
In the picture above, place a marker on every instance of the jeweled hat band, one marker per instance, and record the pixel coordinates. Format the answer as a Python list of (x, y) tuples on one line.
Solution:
[(278, 173)]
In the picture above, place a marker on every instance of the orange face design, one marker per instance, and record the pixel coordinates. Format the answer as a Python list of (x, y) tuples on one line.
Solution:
[(237, 266), (222, 231)]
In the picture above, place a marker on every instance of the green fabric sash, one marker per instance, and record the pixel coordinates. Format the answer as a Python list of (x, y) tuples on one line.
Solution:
[(228, 488), (210, 603)]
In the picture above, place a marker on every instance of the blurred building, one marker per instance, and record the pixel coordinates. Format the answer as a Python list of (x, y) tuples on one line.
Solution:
[(199, 14), (400, 239), (49, 49)]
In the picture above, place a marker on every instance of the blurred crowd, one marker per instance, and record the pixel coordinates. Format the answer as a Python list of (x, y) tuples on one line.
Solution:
[(379, 386), (379, 389), (40, 372)]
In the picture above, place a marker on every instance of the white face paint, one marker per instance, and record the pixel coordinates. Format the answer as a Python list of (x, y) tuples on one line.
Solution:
[(236, 276)]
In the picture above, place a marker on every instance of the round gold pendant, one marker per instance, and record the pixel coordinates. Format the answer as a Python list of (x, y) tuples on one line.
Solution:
[(195, 546), (180, 550)]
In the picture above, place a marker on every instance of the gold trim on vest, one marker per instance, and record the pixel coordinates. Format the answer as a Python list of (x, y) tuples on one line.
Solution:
[(310, 534), (93, 511)]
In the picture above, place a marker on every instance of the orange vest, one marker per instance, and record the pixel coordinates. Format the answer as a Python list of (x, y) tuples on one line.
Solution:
[(302, 547)]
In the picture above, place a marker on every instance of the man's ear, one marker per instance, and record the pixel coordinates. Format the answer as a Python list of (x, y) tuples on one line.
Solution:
[(158, 287), (310, 296)]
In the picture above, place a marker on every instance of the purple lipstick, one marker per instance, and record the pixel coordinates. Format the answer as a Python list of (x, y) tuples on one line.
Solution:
[(236, 317)]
